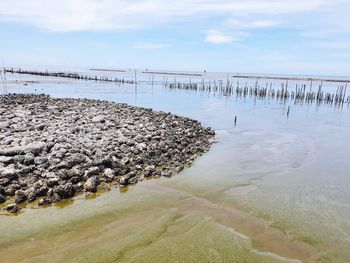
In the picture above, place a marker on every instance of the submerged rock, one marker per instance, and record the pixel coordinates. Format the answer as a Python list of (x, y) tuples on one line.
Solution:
[(12, 208), (44, 201)]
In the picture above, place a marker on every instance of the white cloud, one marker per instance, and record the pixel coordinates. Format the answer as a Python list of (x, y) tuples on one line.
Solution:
[(333, 44), (263, 23), (96, 15), (150, 45), (218, 37)]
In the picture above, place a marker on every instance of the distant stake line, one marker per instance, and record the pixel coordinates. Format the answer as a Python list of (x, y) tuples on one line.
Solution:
[(258, 91)]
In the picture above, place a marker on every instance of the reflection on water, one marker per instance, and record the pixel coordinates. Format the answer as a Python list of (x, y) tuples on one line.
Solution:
[(290, 176)]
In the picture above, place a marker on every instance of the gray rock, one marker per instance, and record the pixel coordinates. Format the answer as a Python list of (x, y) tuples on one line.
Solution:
[(40, 160), (92, 171), (34, 148), (20, 197), (4, 181), (75, 159), (52, 181), (106, 187), (166, 173), (8, 172), (57, 147), (2, 190), (98, 119), (123, 180), (44, 201), (41, 190), (4, 125), (2, 199), (6, 160), (65, 191), (31, 196), (109, 174), (50, 192), (91, 184), (12, 208), (149, 170), (11, 189), (29, 159), (40, 127)]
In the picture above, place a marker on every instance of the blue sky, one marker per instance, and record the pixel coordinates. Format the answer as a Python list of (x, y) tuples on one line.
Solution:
[(265, 36)]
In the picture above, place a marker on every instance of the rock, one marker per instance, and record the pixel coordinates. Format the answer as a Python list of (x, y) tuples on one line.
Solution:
[(52, 181), (149, 170), (89, 195), (106, 162), (92, 171), (25, 170), (53, 148), (123, 180), (8, 172), (29, 159), (11, 189), (91, 184), (75, 179), (40, 127), (4, 181), (75, 159), (2, 190), (34, 148), (4, 125), (2, 199), (6, 160), (40, 160), (12, 208), (179, 168), (98, 119), (133, 180), (56, 198), (139, 138), (41, 191), (20, 197), (50, 192), (31, 196), (105, 187), (125, 161), (44, 201), (108, 175), (62, 165), (166, 173), (141, 146), (65, 191)]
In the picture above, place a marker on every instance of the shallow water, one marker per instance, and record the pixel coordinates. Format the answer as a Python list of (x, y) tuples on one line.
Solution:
[(273, 189)]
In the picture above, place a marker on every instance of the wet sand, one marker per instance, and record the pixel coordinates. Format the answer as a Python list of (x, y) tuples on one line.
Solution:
[(132, 227)]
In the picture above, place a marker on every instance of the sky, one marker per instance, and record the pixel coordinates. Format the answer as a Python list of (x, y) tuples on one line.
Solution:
[(307, 37)]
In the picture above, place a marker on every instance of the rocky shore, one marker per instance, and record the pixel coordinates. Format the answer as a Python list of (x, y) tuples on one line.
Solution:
[(52, 149)]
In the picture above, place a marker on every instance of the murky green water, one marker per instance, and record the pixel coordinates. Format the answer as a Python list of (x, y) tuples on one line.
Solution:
[(271, 190)]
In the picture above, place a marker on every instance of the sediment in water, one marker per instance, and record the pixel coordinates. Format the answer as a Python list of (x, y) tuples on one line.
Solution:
[(53, 148)]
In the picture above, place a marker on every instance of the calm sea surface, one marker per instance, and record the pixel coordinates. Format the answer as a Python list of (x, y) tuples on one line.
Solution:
[(272, 189)]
